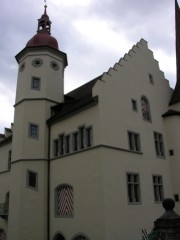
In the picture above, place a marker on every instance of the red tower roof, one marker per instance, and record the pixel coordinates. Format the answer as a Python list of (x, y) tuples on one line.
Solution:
[(43, 36)]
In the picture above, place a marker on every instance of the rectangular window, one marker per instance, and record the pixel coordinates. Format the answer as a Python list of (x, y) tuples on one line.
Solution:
[(31, 179), (133, 188), (75, 141), (151, 80), (33, 131), (176, 197), (159, 145), (56, 147), (134, 141), (9, 159), (89, 137), (61, 144), (35, 83), (81, 137), (158, 188), (134, 105), (67, 143)]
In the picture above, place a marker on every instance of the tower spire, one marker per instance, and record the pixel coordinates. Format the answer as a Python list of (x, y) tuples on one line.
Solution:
[(44, 23), (176, 94)]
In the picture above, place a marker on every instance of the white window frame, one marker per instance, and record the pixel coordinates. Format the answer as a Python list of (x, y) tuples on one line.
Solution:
[(133, 188), (134, 141), (158, 188)]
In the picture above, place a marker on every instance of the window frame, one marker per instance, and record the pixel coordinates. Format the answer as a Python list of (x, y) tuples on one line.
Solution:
[(67, 144), (89, 136), (134, 105), (81, 135), (9, 159), (61, 144), (57, 189), (75, 141), (151, 78), (134, 141), (28, 172), (56, 147), (158, 188), (30, 130), (159, 144), (135, 191), (148, 112), (34, 86)]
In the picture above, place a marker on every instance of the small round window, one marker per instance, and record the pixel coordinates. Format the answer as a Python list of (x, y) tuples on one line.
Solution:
[(54, 65), (22, 67), (37, 62)]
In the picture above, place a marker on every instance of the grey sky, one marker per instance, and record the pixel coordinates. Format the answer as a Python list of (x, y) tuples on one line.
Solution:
[(94, 34)]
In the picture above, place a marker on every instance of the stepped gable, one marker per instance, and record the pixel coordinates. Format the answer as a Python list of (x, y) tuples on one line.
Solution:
[(124, 60)]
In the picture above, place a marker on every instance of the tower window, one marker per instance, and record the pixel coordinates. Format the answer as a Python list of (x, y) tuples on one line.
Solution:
[(37, 62), (33, 131), (35, 83), (31, 179), (54, 65)]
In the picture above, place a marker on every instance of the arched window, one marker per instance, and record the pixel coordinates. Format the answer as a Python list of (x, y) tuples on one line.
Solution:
[(81, 237), (64, 201), (59, 237), (2, 234), (145, 109)]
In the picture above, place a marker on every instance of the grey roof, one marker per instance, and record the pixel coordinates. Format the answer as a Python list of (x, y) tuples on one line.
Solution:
[(75, 101)]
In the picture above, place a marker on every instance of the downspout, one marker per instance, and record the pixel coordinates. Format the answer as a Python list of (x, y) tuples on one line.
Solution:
[(48, 183)]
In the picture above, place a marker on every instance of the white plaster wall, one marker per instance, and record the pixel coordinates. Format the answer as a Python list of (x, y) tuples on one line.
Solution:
[(28, 207), (4, 154), (83, 171), (124, 220), (130, 81), (172, 125), (88, 117), (52, 82), (36, 112)]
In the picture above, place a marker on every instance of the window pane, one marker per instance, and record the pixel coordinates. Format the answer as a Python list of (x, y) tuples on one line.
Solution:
[(33, 130)]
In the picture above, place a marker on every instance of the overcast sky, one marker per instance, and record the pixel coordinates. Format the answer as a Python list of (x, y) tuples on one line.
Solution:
[(94, 33)]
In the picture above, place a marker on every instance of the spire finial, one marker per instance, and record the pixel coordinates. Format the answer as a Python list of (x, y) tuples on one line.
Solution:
[(45, 6)]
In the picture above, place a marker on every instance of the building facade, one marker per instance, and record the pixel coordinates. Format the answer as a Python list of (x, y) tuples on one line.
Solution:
[(95, 163)]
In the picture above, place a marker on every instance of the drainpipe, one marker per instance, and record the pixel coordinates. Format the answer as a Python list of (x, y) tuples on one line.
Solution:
[(48, 183)]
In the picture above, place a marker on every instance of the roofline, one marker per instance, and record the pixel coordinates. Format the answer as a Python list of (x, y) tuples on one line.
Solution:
[(56, 118), (6, 141), (42, 48)]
